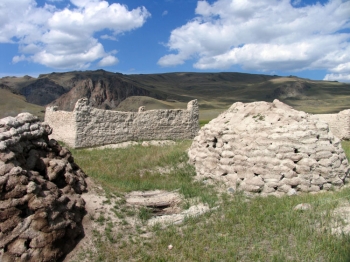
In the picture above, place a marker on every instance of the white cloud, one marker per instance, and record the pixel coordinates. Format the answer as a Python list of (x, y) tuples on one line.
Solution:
[(64, 38), (165, 13), (30, 48), (17, 58), (341, 72), (342, 68), (108, 61), (337, 77), (296, 2), (263, 35), (62, 59), (109, 37)]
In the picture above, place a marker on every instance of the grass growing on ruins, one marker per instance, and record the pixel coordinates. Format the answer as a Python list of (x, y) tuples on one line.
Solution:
[(261, 229), (142, 168), (239, 229), (346, 147)]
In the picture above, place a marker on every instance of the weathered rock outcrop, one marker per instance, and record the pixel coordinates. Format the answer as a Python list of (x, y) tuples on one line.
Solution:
[(104, 91), (291, 89), (42, 91), (269, 148), (40, 185)]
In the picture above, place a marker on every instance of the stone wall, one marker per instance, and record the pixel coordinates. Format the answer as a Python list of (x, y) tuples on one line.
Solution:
[(339, 123), (269, 148), (87, 126), (63, 123), (41, 208)]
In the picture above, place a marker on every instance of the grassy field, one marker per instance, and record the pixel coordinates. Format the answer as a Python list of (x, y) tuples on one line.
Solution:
[(238, 229)]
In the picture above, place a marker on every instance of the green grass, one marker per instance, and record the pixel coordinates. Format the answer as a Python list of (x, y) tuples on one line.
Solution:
[(240, 229), (203, 122), (263, 229), (133, 168), (346, 147)]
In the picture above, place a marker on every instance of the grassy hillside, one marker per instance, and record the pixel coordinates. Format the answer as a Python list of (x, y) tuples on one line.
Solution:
[(16, 83), (215, 92), (12, 104), (322, 97), (133, 103)]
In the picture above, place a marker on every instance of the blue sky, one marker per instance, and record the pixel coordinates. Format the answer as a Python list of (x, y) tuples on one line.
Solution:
[(306, 38)]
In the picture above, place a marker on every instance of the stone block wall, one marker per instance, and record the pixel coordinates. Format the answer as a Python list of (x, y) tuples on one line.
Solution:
[(63, 123), (87, 126), (269, 149), (339, 123), (41, 208)]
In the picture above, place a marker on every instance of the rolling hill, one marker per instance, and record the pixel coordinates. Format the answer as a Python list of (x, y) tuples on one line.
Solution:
[(12, 104), (214, 91)]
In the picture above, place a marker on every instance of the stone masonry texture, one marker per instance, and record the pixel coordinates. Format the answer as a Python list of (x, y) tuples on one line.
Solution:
[(339, 123), (87, 126), (269, 148), (41, 209)]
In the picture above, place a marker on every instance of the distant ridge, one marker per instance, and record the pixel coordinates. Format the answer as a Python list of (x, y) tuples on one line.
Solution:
[(214, 91)]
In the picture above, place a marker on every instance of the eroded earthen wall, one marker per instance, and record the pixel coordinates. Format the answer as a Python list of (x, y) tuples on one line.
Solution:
[(269, 148), (63, 124), (339, 123), (93, 127), (41, 208)]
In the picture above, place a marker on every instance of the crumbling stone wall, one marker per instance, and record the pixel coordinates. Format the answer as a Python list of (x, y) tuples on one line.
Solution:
[(87, 126), (339, 123), (41, 209), (63, 123), (269, 148)]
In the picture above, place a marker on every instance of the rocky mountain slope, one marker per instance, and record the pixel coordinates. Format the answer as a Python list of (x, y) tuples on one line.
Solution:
[(214, 91), (103, 92)]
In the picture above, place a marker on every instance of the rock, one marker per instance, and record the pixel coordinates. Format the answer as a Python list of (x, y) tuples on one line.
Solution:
[(292, 192), (269, 147), (302, 207), (38, 221), (230, 190), (31, 187), (155, 198), (193, 211)]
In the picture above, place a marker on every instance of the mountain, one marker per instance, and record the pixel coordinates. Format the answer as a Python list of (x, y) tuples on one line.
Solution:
[(214, 91), (104, 91)]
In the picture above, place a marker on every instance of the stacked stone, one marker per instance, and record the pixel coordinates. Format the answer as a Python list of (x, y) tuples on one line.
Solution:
[(339, 123), (40, 185), (269, 148), (88, 126)]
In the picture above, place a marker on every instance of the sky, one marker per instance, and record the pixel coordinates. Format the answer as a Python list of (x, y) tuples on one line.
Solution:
[(304, 38)]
